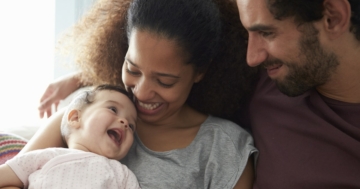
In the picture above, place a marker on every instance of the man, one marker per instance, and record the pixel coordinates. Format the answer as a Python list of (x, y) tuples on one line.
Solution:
[(305, 112)]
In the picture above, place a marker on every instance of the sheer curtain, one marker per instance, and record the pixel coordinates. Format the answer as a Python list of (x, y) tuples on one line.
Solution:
[(26, 59)]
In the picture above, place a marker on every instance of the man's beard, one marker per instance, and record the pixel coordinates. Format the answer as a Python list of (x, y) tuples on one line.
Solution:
[(316, 67)]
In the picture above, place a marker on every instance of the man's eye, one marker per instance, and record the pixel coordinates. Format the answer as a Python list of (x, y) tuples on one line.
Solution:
[(113, 109), (132, 127), (265, 34)]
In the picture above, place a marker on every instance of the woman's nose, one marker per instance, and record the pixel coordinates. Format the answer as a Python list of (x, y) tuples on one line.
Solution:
[(143, 90), (256, 52)]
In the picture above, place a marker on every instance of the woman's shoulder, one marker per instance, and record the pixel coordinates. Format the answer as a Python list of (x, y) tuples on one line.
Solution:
[(218, 136), (222, 132), (225, 126)]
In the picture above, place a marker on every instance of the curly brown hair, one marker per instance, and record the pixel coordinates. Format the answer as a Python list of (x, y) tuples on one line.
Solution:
[(100, 43)]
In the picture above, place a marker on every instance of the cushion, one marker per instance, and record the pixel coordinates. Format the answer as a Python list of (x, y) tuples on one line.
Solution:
[(10, 145)]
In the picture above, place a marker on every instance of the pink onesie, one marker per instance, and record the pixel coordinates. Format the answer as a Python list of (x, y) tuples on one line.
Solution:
[(69, 168)]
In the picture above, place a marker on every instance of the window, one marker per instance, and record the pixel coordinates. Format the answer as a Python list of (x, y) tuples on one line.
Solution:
[(29, 30), (26, 59)]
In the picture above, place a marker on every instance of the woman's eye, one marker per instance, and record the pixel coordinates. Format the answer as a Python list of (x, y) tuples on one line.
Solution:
[(113, 109), (132, 127), (165, 85), (132, 72)]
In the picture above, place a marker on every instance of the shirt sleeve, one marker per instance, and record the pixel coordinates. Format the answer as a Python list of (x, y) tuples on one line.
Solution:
[(25, 164), (125, 176), (224, 171)]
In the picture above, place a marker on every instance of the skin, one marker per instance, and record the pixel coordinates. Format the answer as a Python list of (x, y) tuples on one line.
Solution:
[(92, 128), (8, 178), (56, 91), (89, 130), (155, 72), (269, 37)]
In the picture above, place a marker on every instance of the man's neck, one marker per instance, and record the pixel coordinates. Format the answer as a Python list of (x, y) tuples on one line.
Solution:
[(345, 83)]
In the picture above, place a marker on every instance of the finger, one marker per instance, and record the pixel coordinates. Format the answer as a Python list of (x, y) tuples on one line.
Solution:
[(46, 104), (46, 94), (56, 105), (41, 114), (48, 112)]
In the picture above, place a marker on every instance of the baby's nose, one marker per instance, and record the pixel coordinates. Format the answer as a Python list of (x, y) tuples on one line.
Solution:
[(124, 122)]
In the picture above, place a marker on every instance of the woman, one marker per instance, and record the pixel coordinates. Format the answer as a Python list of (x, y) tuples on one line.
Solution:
[(172, 58)]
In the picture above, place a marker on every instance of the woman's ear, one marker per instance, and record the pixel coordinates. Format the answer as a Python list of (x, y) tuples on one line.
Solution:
[(337, 14), (199, 77), (73, 119)]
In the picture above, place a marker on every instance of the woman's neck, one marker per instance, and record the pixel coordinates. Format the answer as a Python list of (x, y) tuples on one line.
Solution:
[(174, 133)]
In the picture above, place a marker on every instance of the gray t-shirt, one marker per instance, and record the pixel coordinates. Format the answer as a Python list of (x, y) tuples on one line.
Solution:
[(215, 159)]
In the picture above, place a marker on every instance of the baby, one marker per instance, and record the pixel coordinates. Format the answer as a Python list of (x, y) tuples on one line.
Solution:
[(98, 128)]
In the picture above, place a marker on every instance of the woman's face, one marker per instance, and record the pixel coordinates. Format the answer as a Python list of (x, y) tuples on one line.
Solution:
[(155, 71)]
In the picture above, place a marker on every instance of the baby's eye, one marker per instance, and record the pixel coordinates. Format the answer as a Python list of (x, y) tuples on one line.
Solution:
[(132, 127), (112, 108)]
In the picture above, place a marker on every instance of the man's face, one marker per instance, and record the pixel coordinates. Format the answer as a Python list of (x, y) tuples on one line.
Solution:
[(291, 54)]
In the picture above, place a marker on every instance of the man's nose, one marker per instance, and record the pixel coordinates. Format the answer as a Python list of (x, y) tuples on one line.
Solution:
[(256, 52)]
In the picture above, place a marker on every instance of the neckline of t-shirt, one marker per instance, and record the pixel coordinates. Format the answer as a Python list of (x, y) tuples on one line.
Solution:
[(163, 153), (334, 102)]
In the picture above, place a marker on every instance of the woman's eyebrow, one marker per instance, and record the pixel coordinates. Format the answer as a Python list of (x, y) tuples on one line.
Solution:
[(167, 75), (157, 73), (130, 62)]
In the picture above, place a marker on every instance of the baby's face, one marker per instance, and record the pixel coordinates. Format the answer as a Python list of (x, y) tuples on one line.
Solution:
[(108, 124)]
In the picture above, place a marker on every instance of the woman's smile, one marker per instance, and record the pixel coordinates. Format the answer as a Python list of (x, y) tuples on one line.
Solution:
[(148, 108)]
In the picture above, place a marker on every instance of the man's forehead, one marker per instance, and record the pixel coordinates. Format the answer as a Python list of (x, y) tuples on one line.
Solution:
[(251, 5), (254, 12)]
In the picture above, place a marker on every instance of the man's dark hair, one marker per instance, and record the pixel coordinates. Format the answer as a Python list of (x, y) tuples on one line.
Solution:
[(305, 11)]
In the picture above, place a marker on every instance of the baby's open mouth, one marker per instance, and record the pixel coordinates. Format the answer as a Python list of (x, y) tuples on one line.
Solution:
[(115, 135)]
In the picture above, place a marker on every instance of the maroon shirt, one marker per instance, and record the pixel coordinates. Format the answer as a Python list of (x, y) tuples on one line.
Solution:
[(304, 142)]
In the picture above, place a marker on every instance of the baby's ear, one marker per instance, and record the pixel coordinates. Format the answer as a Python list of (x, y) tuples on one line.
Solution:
[(73, 119)]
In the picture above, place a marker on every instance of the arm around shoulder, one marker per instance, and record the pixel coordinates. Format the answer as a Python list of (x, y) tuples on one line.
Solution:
[(48, 135)]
